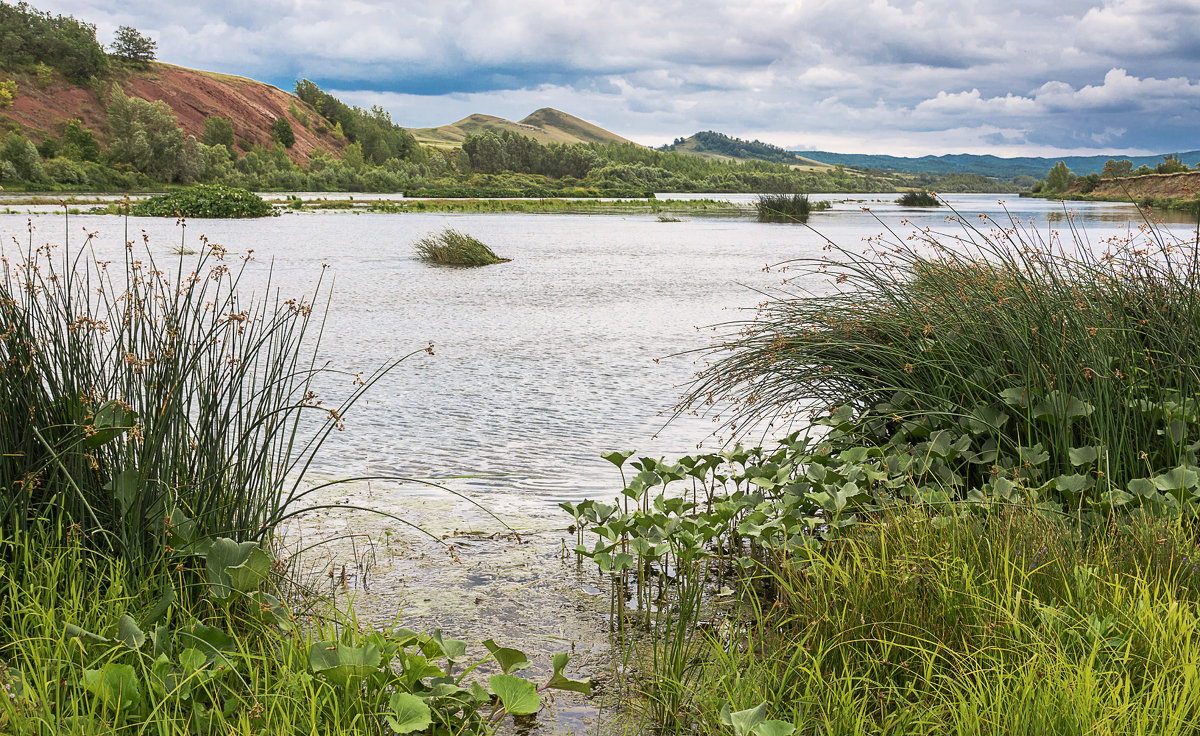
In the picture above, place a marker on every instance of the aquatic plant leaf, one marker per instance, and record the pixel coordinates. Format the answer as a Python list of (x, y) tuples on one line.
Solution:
[(510, 660), (249, 575), (210, 640), (1143, 487), (408, 713), (617, 458), (1016, 397), (125, 488), (1177, 479), (129, 633), (71, 631), (519, 697), (1084, 455), (224, 553), (744, 721), (558, 681), (451, 649), (1074, 483), (116, 685), (773, 728), (1035, 455), (109, 422), (338, 662)]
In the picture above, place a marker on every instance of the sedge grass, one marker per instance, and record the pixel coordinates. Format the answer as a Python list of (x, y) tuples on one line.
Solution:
[(918, 199), (786, 207), (130, 391), (1078, 356), (1000, 623), (452, 248)]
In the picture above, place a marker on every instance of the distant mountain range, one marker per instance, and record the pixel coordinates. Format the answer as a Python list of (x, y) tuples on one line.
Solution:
[(986, 165), (546, 125)]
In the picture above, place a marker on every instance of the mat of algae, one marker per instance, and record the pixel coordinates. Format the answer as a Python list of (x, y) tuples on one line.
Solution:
[(473, 576)]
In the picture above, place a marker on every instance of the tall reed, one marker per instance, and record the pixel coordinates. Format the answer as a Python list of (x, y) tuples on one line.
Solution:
[(1043, 360), (129, 390)]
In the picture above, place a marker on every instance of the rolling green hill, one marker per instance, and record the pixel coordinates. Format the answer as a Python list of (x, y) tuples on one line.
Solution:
[(712, 145), (546, 125)]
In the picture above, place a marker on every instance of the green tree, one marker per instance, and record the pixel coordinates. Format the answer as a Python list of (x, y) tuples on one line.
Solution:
[(145, 135), (1058, 179), (1114, 169), (23, 157), (1171, 165), (8, 93), (281, 132), (131, 46), (218, 132), (29, 36), (79, 143)]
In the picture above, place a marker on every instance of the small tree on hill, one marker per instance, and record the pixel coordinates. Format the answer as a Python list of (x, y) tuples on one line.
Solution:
[(8, 92), (218, 132), (1058, 179), (131, 46), (281, 131)]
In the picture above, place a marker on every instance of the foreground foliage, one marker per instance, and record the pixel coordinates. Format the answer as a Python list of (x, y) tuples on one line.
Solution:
[(986, 526)]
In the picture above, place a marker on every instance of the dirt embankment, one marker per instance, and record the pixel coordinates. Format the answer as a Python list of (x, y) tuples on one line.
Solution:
[(193, 95), (1184, 185)]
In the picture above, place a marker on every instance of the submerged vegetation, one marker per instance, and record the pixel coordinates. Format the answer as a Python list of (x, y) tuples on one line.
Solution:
[(986, 524), (452, 248), (204, 201), (786, 207), (918, 199)]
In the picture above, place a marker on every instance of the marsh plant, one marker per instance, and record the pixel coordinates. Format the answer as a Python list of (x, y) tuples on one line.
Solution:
[(452, 248), (786, 207), (918, 199)]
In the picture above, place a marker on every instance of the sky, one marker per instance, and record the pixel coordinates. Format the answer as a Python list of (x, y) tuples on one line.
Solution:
[(901, 77)]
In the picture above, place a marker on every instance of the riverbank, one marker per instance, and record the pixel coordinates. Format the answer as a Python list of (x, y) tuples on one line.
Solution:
[(1171, 192)]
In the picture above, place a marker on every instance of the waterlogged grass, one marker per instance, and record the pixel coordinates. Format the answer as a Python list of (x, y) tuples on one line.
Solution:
[(118, 656), (918, 199), (452, 248), (786, 207), (204, 200), (992, 365)]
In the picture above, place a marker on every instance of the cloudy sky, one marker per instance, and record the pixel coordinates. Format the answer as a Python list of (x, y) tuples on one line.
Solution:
[(1009, 77)]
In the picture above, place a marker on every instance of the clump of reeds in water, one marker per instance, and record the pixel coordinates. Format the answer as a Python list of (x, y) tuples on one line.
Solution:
[(918, 199), (786, 207), (1066, 364), (452, 248)]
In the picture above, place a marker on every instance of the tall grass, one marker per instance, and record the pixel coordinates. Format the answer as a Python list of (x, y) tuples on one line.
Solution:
[(1065, 367), (918, 199), (452, 248), (786, 207), (1000, 623), (129, 391)]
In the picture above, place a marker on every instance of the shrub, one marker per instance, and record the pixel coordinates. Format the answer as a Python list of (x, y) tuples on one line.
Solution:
[(918, 199), (281, 132), (205, 200), (452, 248)]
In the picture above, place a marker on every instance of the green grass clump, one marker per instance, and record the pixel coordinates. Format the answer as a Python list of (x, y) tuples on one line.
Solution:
[(130, 392), (1001, 622), (786, 207), (918, 199), (994, 362), (452, 248), (205, 200)]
